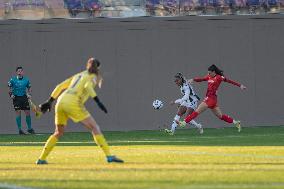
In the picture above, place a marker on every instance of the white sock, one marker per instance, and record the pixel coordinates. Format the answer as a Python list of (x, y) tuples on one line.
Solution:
[(194, 123), (174, 124)]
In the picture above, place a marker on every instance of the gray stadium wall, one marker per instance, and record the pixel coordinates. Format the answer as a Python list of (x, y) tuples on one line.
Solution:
[(140, 57)]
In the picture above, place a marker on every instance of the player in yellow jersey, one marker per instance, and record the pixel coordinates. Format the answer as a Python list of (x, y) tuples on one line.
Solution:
[(70, 104)]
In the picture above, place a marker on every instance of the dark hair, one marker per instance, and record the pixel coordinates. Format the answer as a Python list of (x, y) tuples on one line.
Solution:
[(19, 67), (97, 62), (214, 68), (180, 76), (95, 69), (94, 65)]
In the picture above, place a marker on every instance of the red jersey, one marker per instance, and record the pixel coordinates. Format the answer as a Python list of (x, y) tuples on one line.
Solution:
[(214, 83)]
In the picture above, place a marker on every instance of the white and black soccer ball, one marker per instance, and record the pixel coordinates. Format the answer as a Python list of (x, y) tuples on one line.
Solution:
[(157, 104)]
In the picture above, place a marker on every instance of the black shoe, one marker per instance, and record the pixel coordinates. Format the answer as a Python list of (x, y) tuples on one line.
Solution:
[(31, 131), (21, 132)]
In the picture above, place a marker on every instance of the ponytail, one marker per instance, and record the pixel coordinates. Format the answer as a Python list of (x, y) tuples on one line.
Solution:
[(93, 67), (98, 73)]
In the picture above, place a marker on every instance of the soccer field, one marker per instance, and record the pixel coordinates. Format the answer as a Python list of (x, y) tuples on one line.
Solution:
[(220, 158)]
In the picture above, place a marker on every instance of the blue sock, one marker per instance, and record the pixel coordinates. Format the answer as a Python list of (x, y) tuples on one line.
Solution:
[(29, 122), (19, 123)]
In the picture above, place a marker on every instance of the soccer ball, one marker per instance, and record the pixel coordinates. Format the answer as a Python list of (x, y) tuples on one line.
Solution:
[(157, 104)]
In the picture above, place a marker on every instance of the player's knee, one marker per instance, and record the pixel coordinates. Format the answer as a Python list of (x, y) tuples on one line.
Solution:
[(96, 130), (180, 114), (58, 134)]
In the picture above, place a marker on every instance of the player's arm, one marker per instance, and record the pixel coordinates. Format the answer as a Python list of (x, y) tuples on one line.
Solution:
[(233, 82), (10, 89), (200, 79), (177, 101), (90, 89), (29, 90), (60, 88), (46, 106)]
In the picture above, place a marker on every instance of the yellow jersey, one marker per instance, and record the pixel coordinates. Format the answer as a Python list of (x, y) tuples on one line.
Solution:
[(80, 86)]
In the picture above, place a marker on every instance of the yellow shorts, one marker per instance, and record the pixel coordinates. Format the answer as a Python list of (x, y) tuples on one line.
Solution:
[(69, 107)]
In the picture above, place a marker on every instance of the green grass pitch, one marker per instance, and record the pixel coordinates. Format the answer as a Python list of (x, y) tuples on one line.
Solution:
[(220, 158)]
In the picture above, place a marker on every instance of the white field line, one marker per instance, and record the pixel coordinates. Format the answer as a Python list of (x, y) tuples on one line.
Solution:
[(9, 186)]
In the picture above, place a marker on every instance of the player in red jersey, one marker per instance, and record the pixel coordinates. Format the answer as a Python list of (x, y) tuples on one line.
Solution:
[(214, 78)]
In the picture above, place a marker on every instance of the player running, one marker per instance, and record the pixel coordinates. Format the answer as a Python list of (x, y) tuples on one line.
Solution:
[(187, 104), (214, 78), (70, 104), (20, 93)]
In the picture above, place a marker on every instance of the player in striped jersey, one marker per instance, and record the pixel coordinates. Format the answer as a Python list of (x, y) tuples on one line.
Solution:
[(187, 104), (70, 104), (214, 78)]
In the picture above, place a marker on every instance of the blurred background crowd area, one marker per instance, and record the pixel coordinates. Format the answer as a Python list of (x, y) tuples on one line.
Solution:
[(44, 9)]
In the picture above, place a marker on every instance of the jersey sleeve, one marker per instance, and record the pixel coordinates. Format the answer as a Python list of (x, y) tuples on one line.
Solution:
[(178, 101), (28, 84), (230, 81), (89, 86), (200, 79), (60, 87)]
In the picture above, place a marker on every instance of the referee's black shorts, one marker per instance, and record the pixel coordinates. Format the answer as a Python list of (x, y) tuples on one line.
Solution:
[(21, 103)]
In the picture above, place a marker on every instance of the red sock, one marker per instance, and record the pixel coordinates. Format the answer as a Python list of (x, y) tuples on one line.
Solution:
[(227, 118), (191, 117)]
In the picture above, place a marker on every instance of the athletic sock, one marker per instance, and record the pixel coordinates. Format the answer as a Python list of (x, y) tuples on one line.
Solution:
[(50, 143), (191, 117), (101, 142), (227, 118), (19, 122), (194, 123), (29, 122), (174, 124)]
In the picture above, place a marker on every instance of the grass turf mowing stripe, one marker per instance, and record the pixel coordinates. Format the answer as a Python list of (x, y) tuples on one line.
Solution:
[(9, 186)]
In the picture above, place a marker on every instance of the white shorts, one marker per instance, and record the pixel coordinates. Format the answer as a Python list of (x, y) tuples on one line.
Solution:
[(188, 104)]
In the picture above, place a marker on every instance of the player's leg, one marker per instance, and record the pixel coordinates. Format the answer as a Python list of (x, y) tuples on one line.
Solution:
[(201, 108), (60, 122), (19, 122), (217, 111), (180, 112), (17, 108), (50, 143), (191, 106), (190, 110), (25, 106), (29, 122), (99, 138)]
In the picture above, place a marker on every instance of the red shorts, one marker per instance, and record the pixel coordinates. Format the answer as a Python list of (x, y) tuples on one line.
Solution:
[(211, 102)]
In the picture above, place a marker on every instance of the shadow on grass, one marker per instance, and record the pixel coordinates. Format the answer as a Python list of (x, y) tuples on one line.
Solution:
[(258, 136)]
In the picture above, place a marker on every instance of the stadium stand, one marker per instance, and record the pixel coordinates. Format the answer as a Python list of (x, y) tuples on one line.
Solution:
[(56, 9), (162, 7), (25, 9), (105, 8), (44, 9)]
